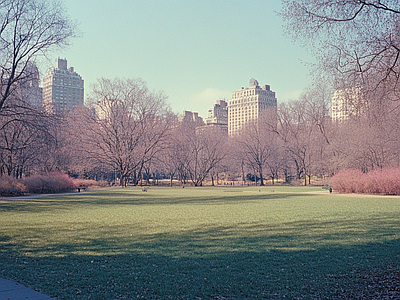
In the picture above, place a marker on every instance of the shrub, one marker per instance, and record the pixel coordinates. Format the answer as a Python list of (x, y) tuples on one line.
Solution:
[(386, 181), (348, 181), (10, 186), (49, 183)]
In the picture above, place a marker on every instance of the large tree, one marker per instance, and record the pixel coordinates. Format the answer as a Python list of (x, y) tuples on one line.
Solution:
[(28, 29), (125, 126), (200, 150), (257, 144), (25, 142), (300, 135)]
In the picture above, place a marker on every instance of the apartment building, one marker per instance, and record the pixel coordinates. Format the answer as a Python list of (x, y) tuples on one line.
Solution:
[(30, 91), (63, 88), (248, 104), (347, 103)]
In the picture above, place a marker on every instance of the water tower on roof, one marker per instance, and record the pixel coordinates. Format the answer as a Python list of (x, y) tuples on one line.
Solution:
[(253, 82)]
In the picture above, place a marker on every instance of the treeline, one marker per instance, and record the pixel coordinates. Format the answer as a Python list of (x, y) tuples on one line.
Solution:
[(128, 132)]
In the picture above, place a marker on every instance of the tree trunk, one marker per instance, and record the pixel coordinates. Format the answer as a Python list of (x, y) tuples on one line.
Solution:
[(135, 181), (243, 178), (261, 176)]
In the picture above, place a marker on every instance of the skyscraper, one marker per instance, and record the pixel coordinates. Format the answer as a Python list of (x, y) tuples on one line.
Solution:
[(31, 92), (218, 114), (63, 88), (247, 104), (347, 103), (189, 117)]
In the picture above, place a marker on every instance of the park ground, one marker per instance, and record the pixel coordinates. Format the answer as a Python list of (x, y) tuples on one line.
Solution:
[(204, 243)]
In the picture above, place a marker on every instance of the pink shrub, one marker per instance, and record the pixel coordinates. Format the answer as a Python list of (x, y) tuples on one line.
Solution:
[(386, 181), (10, 186), (348, 181), (49, 183)]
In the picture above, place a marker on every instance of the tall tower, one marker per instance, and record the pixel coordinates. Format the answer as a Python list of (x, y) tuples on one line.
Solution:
[(247, 104), (63, 88)]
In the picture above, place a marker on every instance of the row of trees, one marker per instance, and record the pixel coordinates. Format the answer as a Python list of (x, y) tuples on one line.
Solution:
[(129, 131), (132, 131)]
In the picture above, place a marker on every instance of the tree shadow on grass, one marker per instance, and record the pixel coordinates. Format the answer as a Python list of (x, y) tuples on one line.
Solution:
[(295, 260), (67, 202)]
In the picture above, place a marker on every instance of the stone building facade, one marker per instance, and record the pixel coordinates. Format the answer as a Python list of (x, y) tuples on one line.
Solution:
[(63, 88), (247, 104)]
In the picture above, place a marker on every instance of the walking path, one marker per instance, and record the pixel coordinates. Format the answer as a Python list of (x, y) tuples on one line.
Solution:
[(10, 290)]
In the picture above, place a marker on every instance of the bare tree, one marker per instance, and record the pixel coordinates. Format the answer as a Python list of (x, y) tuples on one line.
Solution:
[(370, 140), (24, 142), (276, 159), (170, 158), (201, 151), (298, 134), (256, 144), (28, 29), (124, 127), (356, 40)]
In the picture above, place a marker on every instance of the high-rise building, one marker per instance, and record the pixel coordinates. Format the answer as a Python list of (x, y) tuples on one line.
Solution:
[(31, 92), (348, 103), (248, 104), (193, 118), (63, 88), (218, 114)]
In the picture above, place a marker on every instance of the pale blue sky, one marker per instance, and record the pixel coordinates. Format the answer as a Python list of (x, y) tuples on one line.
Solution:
[(195, 51)]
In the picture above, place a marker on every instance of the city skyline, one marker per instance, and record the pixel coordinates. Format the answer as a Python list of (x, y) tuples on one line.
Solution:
[(196, 52)]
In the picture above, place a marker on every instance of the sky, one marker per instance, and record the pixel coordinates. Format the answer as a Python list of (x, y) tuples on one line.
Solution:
[(196, 51)]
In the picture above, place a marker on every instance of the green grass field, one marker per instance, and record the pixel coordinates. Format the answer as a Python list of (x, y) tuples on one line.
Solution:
[(201, 243)]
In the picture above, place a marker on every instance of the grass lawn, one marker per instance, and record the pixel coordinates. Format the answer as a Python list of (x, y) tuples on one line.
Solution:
[(203, 243)]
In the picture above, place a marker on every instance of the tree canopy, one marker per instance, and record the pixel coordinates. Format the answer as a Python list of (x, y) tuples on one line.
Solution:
[(28, 29), (357, 41)]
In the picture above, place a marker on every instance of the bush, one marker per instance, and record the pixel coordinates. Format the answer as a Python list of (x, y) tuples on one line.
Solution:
[(10, 186), (386, 181), (49, 183)]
